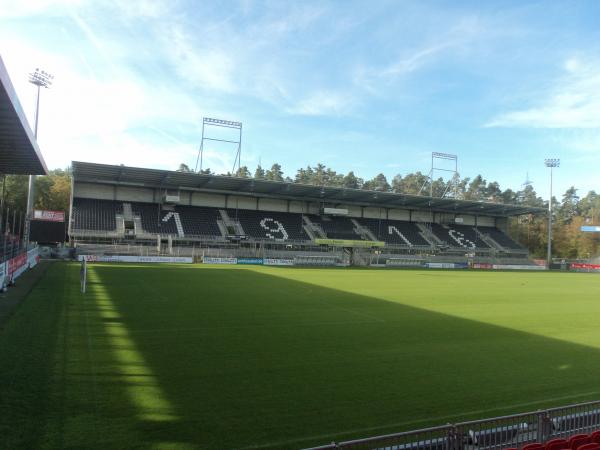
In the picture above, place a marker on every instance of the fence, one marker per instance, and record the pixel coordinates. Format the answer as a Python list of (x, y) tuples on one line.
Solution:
[(514, 431)]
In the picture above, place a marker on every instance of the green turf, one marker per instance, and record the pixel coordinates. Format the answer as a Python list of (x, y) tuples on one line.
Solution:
[(212, 357)]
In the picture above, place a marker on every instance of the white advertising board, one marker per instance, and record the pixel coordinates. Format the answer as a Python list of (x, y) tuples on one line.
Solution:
[(278, 262), (214, 260), (137, 259), (517, 267)]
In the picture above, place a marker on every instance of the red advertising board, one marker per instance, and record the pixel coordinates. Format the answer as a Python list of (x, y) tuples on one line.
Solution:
[(585, 266), (52, 216), (16, 263), (482, 266)]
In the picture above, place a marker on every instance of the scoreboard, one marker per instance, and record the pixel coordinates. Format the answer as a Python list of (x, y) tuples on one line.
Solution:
[(48, 227)]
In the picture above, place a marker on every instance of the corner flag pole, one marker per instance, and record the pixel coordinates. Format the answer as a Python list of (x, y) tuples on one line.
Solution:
[(83, 275)]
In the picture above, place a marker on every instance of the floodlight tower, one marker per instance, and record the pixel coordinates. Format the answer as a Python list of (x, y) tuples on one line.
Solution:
[(551, 163), (39, 78)]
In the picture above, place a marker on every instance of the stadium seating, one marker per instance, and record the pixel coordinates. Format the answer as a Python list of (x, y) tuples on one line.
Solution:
[(578, 440), (195, 221), (533, 446), (556, 444), (337, 227), (500, 238), (96, 215), (389, 231), (460, 236), (277, 226), (590, 446), (198, 221)]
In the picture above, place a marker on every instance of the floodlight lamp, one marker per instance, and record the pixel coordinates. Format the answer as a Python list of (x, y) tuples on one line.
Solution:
[(41, 78), (552, 162)]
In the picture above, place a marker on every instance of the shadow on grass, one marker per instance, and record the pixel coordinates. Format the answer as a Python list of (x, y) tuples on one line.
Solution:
[(216, 358)]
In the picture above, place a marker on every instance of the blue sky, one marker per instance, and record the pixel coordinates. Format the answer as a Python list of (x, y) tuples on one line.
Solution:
[(367, 86)]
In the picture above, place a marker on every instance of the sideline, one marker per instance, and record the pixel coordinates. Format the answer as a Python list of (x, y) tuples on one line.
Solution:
[(10, 300)]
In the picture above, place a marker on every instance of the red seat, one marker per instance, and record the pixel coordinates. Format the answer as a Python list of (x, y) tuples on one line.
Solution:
[(590, 446), (534, 446), (578, 440), (595, 437), (557, 444)]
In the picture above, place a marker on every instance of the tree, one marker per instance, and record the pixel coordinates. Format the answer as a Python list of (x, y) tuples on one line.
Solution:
[(259, 173), (351, 181), (184, 168), (569, 206), (275, 173), (379, 183), (243, 172), (477, 189)]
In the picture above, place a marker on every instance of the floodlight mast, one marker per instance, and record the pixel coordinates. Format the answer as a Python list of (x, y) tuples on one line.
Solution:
[(551, 163), (210, 122), (39, 78), (443, 156)]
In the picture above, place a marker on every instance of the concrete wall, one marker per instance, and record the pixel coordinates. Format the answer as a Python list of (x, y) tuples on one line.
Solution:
[(89, 190), (399, 214), (212, 200), (467, 220), (422, 216), (486, 221), (239, 202), (134, 194), (271, 204), (374, 213)]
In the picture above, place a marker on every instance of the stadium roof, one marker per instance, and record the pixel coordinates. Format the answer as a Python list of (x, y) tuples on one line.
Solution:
[(19, 152), (133, 176)]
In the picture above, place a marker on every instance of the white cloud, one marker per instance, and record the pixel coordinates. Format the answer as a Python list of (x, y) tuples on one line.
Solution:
[(573, 101), (13, 8), (323, 103)]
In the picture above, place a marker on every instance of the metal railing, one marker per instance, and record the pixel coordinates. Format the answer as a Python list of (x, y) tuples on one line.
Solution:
[(513, 431)]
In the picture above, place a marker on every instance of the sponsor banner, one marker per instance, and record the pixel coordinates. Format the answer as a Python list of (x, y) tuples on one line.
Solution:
[(403, 263), (540, 262), (258, 261), (517, 267), (482, 266), (16, 266), (590, 228), (2, 274), (444, 265), (278, 262), (213, 260), (51, 216), (33, 257), (349, 243), (136, 259), (585, 266)]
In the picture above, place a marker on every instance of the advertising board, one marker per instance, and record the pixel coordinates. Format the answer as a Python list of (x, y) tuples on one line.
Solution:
[(216, 260), (136, 259), (278, 262), (255, 261), (51, 216)]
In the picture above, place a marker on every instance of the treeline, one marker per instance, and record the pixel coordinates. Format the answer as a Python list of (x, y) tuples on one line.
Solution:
[(570, 211), (52, 192)]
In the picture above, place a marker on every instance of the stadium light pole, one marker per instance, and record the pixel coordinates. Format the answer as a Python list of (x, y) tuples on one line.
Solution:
[(40, 79), (551, 163)]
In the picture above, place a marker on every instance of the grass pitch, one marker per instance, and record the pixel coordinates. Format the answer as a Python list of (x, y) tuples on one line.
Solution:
[(212, 357)]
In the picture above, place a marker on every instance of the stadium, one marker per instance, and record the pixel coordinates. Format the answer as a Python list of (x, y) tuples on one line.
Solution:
[(182, 309)]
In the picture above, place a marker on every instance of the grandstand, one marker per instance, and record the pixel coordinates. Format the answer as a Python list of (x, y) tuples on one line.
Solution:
[(176, 212), (19, 154)]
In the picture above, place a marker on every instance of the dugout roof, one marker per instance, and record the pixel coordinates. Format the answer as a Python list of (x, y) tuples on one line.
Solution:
[(19, 152), (164, 179)]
